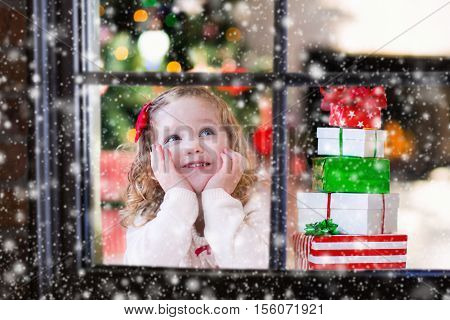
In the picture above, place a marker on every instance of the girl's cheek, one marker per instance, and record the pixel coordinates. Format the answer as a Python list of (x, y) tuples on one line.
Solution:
[(219, 161), (175, 156)]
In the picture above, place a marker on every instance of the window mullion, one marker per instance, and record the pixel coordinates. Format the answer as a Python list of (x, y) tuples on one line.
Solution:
[(173, 79), (279, 161), (290, 79)]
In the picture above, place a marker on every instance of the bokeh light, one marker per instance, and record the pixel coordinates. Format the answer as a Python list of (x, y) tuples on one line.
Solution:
[(121, 53), (233, 34), (140, 15), (173, 66)]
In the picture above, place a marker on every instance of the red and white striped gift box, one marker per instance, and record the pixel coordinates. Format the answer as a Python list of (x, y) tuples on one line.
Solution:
[(350, 252)]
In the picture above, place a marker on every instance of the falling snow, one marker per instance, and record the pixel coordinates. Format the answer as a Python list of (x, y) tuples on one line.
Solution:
[(60, 147)]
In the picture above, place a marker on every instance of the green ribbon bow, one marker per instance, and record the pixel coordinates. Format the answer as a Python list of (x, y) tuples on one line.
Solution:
[(325, 227)]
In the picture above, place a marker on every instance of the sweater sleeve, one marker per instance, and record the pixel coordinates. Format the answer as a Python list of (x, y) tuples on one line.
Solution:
[(165, 240), (238, 236)]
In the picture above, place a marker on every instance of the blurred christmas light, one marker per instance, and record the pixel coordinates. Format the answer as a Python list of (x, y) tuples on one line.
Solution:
[(105, 34), (400, 142), (190, 7), (242, 12), (173, 66), (140, 15), (131, 134), (229, 65), (202, 67), (170, 20), (210, 30), (153, 45), (262, 140), (121, 53), (233, 34), (149, 3), (155, 23), (199, 57)]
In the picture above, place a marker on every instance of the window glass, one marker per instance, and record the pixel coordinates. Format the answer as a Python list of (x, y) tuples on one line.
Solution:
[(189, 36), (416, 121), (113, 151), (368, 29)]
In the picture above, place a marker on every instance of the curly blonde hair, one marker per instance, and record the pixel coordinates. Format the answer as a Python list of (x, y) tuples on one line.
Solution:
[(144, 194)]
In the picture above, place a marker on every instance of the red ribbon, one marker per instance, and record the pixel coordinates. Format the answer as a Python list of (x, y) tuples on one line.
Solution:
[(203, 248), (383, 214), (142, 120), (329, 206)]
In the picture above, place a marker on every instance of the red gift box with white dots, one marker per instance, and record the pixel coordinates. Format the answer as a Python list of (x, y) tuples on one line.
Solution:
[(355, 117)]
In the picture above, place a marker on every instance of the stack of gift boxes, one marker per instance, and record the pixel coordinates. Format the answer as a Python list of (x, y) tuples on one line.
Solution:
[(349, 222)]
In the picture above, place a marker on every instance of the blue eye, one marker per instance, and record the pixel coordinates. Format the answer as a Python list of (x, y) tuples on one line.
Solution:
[(169, 139), (207, 130)]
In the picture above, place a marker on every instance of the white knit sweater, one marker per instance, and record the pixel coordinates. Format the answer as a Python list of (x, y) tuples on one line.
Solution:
[(237, 236)]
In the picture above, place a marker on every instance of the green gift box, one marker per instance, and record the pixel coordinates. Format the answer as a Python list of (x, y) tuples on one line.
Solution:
[(351, 174)]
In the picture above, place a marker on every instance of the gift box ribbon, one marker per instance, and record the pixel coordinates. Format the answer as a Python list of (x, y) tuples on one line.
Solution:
[(341, 142), (376, 144), (325, 227), (383, 214), (383, 210)]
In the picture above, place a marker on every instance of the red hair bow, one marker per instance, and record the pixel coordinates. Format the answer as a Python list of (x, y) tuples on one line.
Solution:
[(142, 120)]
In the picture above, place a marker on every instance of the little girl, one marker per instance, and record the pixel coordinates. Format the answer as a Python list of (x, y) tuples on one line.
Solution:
[(193, 199)]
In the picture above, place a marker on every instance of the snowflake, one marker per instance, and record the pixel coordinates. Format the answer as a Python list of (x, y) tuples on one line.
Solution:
[(2, 158), (370, 115), (193, 285), (378, 91), (342, 122), (377, 123), (316, 71), (287, 22), (351, 114), (9, 245), (360, 124)]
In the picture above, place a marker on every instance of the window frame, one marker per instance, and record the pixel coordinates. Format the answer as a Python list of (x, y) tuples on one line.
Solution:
[(65, 268)]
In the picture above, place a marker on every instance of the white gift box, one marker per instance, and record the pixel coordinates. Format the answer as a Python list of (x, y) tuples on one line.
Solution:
[(353, 142), (354, 213)]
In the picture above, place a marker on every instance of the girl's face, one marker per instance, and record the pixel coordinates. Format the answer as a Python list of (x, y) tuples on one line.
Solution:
[(189, 127)]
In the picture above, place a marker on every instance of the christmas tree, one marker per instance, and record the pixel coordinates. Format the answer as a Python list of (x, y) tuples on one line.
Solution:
[(172, 36)]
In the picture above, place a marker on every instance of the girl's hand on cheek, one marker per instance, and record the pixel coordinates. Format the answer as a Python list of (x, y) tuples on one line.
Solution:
[(229, 174), (165, 171)]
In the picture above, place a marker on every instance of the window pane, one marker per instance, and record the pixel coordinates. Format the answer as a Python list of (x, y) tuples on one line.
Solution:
[(194, 36), (113, 153), (17, 190), (367, 29), (416, 121)]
